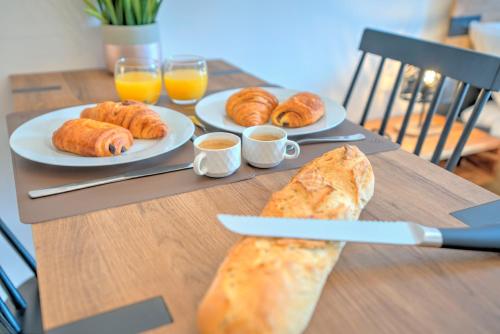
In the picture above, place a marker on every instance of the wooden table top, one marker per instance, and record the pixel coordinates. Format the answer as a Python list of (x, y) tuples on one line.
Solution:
[(172, 246)]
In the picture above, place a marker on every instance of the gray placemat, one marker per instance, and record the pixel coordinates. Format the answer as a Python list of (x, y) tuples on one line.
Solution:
[(373, 143), (484, 214), (30, 175), (130, 319)]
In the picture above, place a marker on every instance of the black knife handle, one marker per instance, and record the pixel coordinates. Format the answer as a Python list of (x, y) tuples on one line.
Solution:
[(482, 238)]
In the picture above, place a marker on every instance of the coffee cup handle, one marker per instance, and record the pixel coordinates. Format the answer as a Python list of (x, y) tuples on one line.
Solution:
[(296, 149), (198, 166)]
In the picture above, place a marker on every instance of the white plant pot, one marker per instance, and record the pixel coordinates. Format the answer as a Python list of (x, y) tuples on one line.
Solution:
[(142, 41)]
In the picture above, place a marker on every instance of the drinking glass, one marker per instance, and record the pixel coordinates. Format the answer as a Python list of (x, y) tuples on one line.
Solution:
[(185, 78), (138, 79)]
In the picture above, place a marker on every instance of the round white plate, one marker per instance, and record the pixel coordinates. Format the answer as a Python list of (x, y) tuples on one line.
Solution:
[(211, 110), (33, 139)]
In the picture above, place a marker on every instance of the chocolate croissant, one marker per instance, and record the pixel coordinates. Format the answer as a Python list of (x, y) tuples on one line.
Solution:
[(91, 138), (251, 106), (299, 110), (143, 122)]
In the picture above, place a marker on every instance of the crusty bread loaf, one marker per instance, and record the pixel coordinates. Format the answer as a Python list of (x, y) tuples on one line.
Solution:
[(271, 285)]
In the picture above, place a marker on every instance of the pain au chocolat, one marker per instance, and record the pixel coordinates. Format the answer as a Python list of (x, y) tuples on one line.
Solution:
[(300, 110), (87, 137)]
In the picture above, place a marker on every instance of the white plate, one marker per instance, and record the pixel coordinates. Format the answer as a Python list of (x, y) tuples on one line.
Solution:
[(33, 139), (212, 111)]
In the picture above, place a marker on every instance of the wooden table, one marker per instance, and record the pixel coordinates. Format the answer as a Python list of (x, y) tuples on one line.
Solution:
[(172, 246)]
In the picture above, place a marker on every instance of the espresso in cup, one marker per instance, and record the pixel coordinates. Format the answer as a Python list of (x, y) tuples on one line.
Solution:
[(217, 154), (266, 146), (265, 137), (217, 144)]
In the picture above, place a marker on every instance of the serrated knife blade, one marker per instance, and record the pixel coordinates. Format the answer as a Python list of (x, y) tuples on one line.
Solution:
[(481, 238), (392, 233)]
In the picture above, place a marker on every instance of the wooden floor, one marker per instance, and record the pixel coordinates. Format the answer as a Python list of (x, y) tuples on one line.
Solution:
[(494, 185), (479, 140), (482, 169), (481, 164)]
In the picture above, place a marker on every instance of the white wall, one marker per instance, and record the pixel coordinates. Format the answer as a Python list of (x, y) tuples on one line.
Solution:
[(310, 45), (299, 44)]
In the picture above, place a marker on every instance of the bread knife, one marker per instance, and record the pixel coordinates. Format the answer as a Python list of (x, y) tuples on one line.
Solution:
[(98, 182), (482, 238)]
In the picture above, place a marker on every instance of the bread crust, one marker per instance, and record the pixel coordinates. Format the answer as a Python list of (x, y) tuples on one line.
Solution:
[(272, 285), (135, 116), (299, 110), (251, 106), (87, 137)]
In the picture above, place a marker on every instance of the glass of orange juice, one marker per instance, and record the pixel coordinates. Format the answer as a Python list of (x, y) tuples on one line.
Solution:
[(138, 79), (185, 78)]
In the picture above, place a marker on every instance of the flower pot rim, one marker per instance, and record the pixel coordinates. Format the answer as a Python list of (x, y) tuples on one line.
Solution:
[(129, 26), (130, 35)]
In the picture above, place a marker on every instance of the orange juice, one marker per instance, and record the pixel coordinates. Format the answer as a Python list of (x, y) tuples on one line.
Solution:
[(139, 85), (186, 84)]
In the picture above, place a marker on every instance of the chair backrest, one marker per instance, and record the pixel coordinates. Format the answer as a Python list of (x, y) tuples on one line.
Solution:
[(7, 317), (469, 68)]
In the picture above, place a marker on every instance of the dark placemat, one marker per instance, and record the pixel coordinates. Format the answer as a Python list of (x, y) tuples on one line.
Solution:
[(373, 143), (31, 175), (130, 319), (484, 214)]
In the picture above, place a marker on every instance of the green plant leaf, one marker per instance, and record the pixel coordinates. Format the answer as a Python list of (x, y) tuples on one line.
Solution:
[(145, 11), (91, 5), (100, 4), (111, 11), (102, 9), (136, 6), (155, 11), (152, 10), (124, 12), (119, 11), (129, 17), (96, 14), (148, 11)]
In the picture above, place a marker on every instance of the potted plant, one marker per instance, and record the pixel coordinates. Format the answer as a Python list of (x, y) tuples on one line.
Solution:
[(129, 28)]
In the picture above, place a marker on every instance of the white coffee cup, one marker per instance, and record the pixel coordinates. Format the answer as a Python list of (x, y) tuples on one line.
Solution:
[(267, 153), (216, 162)]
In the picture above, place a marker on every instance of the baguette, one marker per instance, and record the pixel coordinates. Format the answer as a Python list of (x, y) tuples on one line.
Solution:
[(272, 285)]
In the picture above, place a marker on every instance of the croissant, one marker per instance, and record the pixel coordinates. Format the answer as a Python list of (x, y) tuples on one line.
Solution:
[(143, 122), (92, 138), (299, 110), (251, 106)]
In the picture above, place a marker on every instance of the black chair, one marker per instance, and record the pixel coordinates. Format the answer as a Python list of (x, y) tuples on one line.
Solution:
[(469, 68), (21, 312)]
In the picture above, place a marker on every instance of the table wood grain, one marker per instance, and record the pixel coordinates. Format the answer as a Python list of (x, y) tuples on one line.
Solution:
[(172, 246)]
